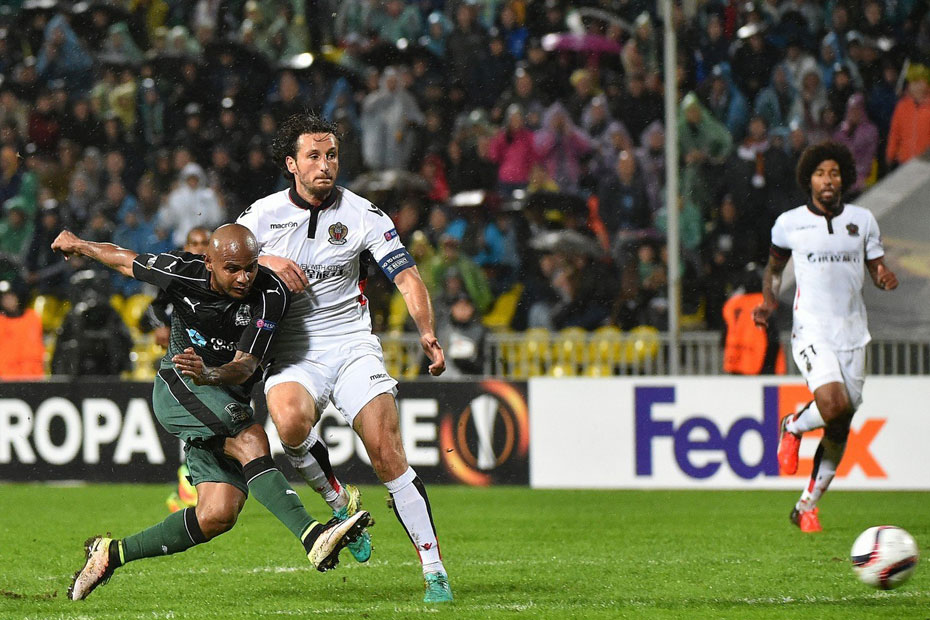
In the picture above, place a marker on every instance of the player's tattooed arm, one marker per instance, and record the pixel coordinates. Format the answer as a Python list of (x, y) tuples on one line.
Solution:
[(771, 284), (235, 372), (113, 256), (883, 277)]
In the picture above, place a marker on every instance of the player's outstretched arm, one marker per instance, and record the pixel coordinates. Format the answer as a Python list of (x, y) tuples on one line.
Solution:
[(771, 284), (110, 255), (231, 373), (883, 277), (411, 286), (286, 269)]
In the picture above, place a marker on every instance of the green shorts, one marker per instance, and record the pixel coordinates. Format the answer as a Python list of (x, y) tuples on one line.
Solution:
[(202, 416)]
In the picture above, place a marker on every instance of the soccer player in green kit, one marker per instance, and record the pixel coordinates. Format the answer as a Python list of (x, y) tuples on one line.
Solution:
[(227, 309)]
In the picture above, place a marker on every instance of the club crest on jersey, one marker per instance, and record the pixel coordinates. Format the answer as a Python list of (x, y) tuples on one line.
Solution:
[(243, 316), (338, 233), (853, 230), (237, 413)]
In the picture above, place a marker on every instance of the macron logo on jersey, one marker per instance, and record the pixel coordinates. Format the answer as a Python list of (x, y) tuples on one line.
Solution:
[(284, 225), (390, 234)]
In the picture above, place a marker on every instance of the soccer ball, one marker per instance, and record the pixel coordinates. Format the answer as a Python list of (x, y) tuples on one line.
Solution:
[(884, 556)]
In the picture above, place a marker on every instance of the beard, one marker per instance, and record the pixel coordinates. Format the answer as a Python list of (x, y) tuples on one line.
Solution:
[(831, 204)]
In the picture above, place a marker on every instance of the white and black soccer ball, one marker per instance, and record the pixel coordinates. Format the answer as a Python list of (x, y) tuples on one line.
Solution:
[(884, 556)]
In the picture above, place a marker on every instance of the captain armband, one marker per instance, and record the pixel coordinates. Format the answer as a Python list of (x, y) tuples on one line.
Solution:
[(395, 262)]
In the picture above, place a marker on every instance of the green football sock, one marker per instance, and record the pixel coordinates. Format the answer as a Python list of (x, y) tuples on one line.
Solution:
[(270, 487), (178, 532)]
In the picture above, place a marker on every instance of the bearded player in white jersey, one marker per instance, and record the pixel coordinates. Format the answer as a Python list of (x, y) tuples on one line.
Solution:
[(317, 237), (829, 242)]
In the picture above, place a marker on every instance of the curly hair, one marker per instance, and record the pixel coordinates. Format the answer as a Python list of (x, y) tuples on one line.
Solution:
[(817, 153), (284, 144)]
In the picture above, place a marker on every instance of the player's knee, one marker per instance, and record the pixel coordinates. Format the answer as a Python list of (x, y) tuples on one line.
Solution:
[(835, 406), (217, 519), (292, 421)]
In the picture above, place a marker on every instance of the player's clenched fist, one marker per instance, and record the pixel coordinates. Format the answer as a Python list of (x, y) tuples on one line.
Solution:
[(67, 243)]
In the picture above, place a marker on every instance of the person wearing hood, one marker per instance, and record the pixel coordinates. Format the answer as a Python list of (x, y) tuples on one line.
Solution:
[(724, 100), (560, 145), (704, 144), (119, 43), (63, 57), (860, 136), (651, 163), (389, 116), (191, 204), (811, 100), (774, 102)]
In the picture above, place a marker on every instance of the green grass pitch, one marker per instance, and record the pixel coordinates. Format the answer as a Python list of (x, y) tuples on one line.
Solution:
[(510, 552)]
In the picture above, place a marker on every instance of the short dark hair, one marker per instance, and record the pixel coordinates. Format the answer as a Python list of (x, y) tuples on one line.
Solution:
[(284, 144), (817, 153)]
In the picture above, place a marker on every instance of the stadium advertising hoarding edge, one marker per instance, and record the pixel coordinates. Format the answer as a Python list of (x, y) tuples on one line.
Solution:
[(457, 432), (716, 433)]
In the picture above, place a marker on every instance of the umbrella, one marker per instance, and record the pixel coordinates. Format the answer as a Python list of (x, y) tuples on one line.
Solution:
[(384, 55), (576, 25), (590, 43), (566, 242), (389, 180), (307, 62), (245, 57)]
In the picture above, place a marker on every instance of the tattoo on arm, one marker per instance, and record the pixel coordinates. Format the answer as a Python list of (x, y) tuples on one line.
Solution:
[(235, 372)]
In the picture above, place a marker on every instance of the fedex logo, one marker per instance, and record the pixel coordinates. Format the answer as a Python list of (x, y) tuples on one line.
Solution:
[(701, 446)]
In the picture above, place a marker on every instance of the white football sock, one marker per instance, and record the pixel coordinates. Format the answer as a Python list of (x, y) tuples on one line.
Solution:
[(808, 419), (826, 460), (411, 505), (311, 460)]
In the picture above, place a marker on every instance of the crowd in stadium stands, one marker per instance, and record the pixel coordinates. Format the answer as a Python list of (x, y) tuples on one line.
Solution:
[(527, 137)]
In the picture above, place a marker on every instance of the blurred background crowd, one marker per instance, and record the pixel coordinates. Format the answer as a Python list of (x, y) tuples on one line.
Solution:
[(519, 145)]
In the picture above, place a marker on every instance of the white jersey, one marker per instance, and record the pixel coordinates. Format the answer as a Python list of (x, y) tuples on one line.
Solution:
[(328, 243), (829, 266)]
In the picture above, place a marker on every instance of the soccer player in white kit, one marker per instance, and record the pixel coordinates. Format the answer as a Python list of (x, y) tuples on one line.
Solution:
[(829, 241), (315, 236)]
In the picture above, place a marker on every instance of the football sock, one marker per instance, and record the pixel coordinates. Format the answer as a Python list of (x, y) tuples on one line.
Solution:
[(268, 485), (808, 419), (826, 460), (311, 460), (178, 532), (411, 505)]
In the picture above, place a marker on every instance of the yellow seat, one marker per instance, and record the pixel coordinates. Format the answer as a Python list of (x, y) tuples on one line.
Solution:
[(606, 345), (51, 310), (569, 346), (118, 302), (393, 356), (695, 320), (133, 309), (536, 342), (505, 307), (563, 370), (599, 370), (642, 344), (397, 312)]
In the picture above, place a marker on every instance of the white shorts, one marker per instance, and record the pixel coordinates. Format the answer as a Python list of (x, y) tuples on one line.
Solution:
[(347, 370), (821, 365)]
